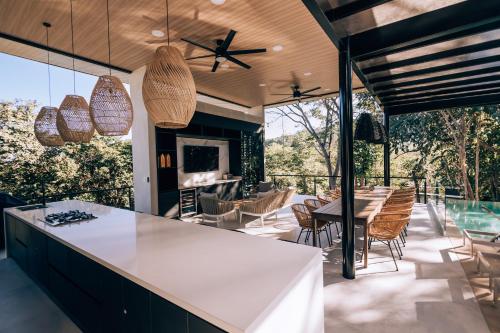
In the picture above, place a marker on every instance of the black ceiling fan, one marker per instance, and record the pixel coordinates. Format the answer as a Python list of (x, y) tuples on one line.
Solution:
[(297, 94), (222, 52)]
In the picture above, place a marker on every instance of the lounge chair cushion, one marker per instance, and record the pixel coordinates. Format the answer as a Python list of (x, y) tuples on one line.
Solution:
[(208, 195), (265, 186), (265, 194)]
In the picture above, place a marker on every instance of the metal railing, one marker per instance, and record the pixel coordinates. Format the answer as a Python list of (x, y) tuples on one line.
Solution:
[(313, 184), (120, 197)]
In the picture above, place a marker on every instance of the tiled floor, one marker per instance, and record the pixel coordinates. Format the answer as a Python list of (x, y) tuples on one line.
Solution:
[(25, 308), (429, 293)]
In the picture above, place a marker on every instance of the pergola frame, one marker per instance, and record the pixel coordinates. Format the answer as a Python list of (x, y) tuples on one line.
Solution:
[(408, 90)]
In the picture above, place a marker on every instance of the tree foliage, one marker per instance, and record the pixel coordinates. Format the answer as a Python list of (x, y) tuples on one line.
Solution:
[(104, 163)]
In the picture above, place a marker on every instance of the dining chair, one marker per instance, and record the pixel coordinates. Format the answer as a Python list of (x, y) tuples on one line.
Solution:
[(386, 228), (304, 218), (312, 205)]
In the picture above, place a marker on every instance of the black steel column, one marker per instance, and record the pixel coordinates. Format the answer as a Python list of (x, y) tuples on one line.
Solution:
[(346, 160), (387, 153)]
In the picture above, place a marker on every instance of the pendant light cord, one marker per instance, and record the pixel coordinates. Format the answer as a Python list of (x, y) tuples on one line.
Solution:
[(47, 25), (109, 39), (73, 46), (168, 28)]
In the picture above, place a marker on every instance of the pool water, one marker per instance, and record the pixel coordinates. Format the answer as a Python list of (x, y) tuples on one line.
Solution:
[(475, 215)]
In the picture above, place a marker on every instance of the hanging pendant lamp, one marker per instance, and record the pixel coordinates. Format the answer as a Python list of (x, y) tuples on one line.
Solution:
[(110, 105), (45, 123), (168, 87), (73, 120), (369, 129)]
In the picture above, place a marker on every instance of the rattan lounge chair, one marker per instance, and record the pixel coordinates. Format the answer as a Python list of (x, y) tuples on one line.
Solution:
[(263, 207), (213, 208), (489, 263)]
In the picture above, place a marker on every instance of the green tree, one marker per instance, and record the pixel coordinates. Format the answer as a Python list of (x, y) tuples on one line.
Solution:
[(103, 163)]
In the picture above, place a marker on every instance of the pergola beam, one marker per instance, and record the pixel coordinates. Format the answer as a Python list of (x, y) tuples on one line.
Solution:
[(352, 8), (443, 103), (433, 56), (450, 22), (435, 69), (459, 75), (432, 87), (451, 92)]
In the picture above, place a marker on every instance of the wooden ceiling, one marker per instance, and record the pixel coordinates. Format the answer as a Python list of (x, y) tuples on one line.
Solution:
[(259, 23)]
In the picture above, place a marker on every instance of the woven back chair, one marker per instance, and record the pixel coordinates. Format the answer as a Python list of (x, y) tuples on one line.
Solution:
[(268, 205), (215, 208), (335, 193), (401, 199), (302, 215), (324, 199), (305, 220), (387, 228), (312, 204)]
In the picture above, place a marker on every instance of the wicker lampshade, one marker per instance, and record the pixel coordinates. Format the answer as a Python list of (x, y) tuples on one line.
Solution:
[(73, 120), (168, 89), (369, 129), (46, 129), (110, 107)]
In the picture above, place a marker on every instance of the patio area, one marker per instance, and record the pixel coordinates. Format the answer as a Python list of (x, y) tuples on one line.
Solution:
[(429, 293)]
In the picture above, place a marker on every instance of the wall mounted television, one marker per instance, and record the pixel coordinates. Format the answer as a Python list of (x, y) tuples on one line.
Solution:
[(201, 158)]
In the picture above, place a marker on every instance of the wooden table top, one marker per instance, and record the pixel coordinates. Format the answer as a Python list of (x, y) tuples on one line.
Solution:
[(367, 204)]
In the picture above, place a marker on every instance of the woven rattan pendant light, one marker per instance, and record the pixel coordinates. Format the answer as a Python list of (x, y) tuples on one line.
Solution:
[(45, 123), (110, 105), (73, 120), (168, 87)]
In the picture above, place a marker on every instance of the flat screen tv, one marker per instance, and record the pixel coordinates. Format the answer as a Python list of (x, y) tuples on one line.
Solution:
[(201, 159)]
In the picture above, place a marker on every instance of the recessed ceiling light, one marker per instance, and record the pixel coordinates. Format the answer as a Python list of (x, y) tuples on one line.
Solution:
[(218, 2), (220, 59), (224, 66), (307, 74), (327, 89), (277, 48), (157, 33), (262, 84)]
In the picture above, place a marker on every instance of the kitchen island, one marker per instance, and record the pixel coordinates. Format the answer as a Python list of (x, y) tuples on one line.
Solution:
[(133, 272)]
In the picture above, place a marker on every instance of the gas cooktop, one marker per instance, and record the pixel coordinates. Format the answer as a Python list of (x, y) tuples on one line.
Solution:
[(68, 217)]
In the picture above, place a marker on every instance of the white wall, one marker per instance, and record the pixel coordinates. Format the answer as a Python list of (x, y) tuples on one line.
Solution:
[(190, 179), (143, 149)]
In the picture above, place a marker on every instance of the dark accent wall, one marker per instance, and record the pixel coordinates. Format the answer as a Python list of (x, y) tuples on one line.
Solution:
[(246, 153)]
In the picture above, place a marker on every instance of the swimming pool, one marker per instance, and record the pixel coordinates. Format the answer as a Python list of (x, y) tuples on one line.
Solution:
[(476, 215)]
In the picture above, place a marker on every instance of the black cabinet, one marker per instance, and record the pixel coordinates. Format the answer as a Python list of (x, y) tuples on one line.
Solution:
[(17, 241), (37, 257), (167, 317), (94, 297)]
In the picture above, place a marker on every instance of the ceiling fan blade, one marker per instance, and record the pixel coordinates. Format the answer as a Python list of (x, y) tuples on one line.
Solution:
[(310, 90), (198, 44), (290, 98), (307, 95), (203, 56), (236, 61), (236, 52), (216, 64), (229, 38)]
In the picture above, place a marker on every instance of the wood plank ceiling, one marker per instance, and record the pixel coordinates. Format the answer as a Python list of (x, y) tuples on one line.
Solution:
[(260, 24), (421, 55)]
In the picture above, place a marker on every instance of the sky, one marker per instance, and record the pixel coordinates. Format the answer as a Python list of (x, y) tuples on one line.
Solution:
[(28, 80)]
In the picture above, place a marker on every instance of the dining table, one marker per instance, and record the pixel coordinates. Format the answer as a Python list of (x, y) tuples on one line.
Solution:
[(367, 204)]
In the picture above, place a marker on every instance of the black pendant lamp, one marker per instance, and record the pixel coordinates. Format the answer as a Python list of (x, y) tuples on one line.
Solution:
[(369, 129)]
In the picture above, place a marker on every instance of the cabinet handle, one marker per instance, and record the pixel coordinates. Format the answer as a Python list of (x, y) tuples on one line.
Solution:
[(124, 311)]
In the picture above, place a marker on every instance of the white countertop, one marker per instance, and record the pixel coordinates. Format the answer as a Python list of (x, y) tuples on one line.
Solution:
[(228, 278), (215, 182)]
